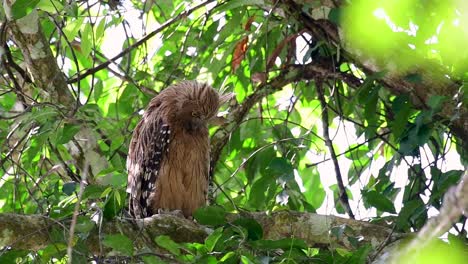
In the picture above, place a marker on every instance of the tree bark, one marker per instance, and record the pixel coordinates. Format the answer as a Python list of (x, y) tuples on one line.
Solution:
[(52, 85), (33, 232)]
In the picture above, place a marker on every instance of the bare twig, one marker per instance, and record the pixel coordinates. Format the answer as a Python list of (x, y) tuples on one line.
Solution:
[(377, 136)]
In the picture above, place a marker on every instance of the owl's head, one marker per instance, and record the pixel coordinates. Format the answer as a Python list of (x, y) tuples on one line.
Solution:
[(196, 104)]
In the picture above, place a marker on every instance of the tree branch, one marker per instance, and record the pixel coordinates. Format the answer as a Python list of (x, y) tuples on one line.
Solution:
[(433, 81), (290, 74), (339, 179), (32, 232), (139, 42), (39, 59), (455, 204)]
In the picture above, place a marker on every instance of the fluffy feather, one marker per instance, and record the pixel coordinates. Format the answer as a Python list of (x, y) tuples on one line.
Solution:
[(169, 153)]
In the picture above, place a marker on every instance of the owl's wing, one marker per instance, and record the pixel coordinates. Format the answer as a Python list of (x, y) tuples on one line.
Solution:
[(147, 149)]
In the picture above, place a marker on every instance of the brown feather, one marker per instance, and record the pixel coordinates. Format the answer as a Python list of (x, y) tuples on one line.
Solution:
[(169, 154)]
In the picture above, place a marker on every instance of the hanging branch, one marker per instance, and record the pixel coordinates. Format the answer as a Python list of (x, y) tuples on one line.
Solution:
[(343, 195)]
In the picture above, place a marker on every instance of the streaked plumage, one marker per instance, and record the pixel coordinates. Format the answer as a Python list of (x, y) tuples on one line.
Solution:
[(169, 153)]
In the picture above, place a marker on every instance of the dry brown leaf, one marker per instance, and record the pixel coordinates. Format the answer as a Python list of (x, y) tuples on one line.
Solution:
[(239, 53), (241, 46)]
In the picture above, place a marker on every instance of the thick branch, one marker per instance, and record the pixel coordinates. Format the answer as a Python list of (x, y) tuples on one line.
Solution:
[(434, 78), (32, 232), (51, 81), (39, 59)]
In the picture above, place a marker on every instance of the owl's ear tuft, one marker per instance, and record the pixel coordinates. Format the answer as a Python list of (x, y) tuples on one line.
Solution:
[(224, 98)]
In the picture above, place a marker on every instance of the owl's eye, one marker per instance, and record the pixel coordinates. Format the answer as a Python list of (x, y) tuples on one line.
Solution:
[(195, 114)]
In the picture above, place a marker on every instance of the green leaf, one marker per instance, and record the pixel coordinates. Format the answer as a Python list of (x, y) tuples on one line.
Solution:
[(370, 107), (358, 152), (11, 256), (212, 239), (285, 243), (435, 102), (413, 78), (93, 191), (67, 133), (72, 28), (259, 191), (99, 34), (254, 229), (86, 39), (61, 212), (207, 260), (379, 201), (7, 101), (408, 212), (50, 6), (113, 205), (120, 243), (69, 188), (246, 260), (279, 168), (152, 260), (442, 181), (210, 215), (335, 15), (239, 3), (168, 244), (22, 8), (228, 257), (336, 196), (84, 224), (98, 87), (117, 142), (257, 162), (53, 250), (401, 107), (360, 255)]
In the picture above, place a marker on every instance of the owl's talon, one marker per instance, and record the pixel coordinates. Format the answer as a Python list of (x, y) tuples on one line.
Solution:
[(177, 213)]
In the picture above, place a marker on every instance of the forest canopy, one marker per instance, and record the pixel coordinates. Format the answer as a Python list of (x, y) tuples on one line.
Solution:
[(347, 133)]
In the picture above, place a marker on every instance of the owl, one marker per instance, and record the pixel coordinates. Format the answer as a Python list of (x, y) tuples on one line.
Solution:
[(168, 162)]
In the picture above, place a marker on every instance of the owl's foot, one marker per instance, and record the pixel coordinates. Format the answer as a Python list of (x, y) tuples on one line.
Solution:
[(177, 213)]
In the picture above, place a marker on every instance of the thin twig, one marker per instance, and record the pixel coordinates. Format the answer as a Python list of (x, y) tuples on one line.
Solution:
[(377, 136), (75, 213), (139, 43), (343, 195), (291, 74)]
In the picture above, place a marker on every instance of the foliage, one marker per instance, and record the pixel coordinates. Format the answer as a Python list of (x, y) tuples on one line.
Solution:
[(276, 158)]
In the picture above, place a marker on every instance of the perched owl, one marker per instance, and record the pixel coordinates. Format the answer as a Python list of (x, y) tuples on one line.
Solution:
[(169, 153)]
